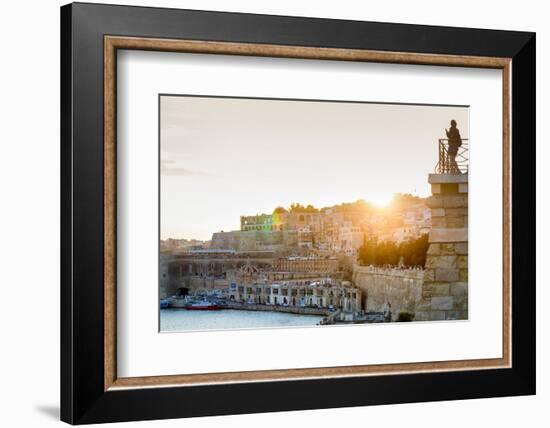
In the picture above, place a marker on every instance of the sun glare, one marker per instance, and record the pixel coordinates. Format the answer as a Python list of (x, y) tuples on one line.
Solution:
[(382, 201)]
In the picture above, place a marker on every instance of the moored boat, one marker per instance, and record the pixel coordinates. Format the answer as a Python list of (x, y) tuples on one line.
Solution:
[(178, 302), (203, 306)]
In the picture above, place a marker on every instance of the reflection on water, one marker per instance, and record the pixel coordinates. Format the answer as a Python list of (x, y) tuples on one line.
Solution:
[(183, 320)]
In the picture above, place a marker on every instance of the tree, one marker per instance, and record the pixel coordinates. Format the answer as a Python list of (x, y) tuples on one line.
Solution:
[(387, 253), (367, 252), (411, 252), (299, 208), (414, 251)]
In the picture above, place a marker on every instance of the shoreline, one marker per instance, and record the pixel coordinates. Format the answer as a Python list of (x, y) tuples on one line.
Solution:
[(278, 308)]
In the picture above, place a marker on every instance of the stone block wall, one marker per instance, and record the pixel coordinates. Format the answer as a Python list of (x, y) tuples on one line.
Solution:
[(445, 288), (402, 288)]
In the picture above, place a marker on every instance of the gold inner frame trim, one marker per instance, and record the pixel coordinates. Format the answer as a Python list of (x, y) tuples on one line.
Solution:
[(113, 43)]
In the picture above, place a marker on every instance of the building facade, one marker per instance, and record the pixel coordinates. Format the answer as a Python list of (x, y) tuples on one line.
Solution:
[(305, 264), (321, 293)]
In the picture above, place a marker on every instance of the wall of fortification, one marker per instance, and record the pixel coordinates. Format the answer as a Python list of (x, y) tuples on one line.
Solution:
[(402, 288)]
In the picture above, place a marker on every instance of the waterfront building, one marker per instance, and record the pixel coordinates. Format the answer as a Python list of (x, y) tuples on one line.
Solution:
[(206, 269), (319, 293), (165, 288)]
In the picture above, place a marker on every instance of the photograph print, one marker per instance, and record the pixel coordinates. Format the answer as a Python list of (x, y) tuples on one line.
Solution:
[(280, 213)]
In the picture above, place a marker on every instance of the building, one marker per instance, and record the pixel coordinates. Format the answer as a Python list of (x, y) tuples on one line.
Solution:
[(410, 222), (250, 240), (321, 293), (350, 239), (236, 240), (257, 222), (306, 237), (282, 220), (207, 269), (335, 231), (182, 244), (305, 264)]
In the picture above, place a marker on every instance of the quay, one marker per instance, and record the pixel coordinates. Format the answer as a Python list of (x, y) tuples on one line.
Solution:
[(339, 317), (277, 308)]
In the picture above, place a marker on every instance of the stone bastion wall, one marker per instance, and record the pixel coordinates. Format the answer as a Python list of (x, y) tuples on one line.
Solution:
[(401, 288)]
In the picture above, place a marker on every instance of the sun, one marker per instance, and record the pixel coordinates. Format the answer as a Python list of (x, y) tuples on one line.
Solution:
[(382, 201)]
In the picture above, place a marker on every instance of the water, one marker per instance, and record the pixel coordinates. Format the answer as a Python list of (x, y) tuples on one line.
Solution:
[(182, 320)]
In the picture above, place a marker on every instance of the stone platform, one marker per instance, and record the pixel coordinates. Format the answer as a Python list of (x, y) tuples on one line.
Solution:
[(445, 288)]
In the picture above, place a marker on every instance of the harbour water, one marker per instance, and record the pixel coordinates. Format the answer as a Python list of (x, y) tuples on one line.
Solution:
[(227, 319)]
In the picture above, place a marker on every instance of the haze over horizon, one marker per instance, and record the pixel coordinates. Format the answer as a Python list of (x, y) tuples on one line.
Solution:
[(225, 157)]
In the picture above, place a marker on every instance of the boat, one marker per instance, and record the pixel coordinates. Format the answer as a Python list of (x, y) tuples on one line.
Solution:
[(203, 306), (178, 302), (164, 303)]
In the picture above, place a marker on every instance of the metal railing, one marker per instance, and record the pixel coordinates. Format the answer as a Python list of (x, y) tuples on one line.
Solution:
[(446, 163)]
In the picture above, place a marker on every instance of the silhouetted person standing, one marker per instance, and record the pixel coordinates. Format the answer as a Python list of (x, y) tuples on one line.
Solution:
[(455, 141)]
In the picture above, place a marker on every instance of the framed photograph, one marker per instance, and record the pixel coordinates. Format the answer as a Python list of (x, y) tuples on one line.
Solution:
[(266, 213)]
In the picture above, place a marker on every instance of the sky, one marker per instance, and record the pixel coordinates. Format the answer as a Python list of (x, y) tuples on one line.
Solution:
[(226, 157)]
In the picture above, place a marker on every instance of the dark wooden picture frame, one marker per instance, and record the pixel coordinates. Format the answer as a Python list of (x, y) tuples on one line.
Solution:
[(90, 37)]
